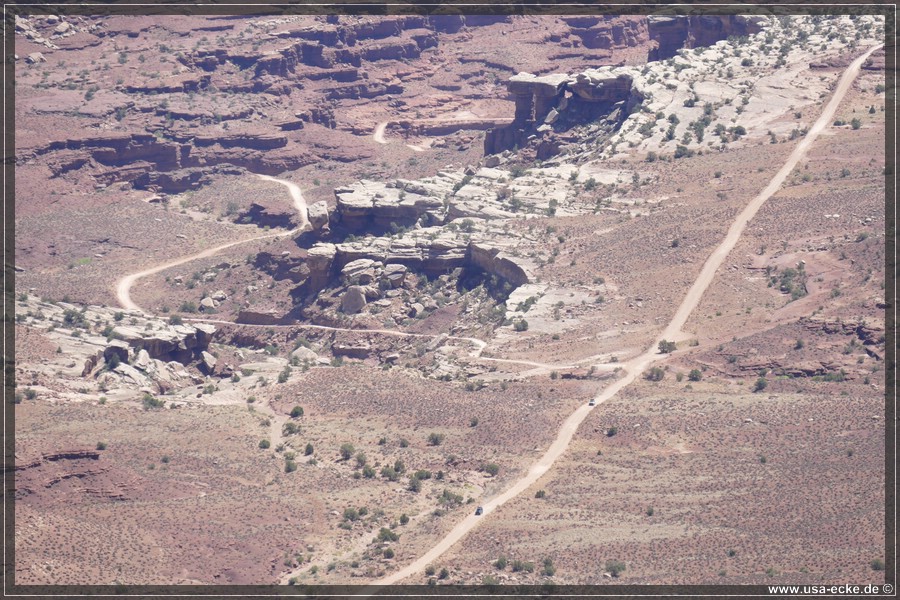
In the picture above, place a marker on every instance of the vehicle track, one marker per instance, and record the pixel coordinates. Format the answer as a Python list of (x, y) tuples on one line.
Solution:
[(634, 367), (124, 285)]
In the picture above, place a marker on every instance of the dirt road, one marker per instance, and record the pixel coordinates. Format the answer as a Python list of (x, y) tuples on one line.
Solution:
[(123, 286), (378, 136), (637, 365)]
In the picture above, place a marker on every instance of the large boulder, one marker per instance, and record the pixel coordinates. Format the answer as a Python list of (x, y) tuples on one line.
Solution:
[(303, 354), (354, 300), (361, 270), (318, 215), (207, 362), (395, 274)]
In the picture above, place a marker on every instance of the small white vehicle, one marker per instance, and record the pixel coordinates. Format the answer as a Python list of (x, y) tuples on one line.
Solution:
[(592, 402)]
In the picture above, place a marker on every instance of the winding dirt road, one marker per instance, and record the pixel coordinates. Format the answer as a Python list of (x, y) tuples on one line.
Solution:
[(378, 136), (123, 286), (637, 365)]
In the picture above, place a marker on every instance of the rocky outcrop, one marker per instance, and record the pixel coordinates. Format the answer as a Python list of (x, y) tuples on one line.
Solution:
[(671, 33), (534, 96), (369, 204), (177, 342), (293, 268), (554, 102), (271, 214), (608, 32), (494, 261)]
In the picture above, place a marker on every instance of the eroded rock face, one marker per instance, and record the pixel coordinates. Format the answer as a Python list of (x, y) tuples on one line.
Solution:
[(671, 33), (177, 342), (370, 203)]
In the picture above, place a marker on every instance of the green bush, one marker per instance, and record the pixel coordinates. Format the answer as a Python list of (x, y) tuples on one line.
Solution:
[(297, 411), (655, 374), (695, 375), (521, 565), (265, 444), (347, 450), (615, 567), (491, 468), (101, 445)]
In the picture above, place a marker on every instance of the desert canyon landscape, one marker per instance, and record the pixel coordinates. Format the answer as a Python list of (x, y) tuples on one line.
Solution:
[(296, 294)]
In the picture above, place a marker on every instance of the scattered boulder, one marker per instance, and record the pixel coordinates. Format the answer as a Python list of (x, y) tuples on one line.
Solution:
[(318, 215), (353, 300), (142, 360), (395, 274), (208, 304), (219, 296), (207, 361), (303, 353), (416, 309)]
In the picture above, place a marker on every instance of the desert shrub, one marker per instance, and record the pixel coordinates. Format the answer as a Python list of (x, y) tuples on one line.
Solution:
[(290, 428), (404, 519), (855, 123), (666, 347), (520, 325), (655, 374), (389, 473), (415, 484), (175, 320), (388, 553), (695, 375), (347, 451), (149, 402), (540, 494), (422, 474), (491, 468), (368, 472), (877, 564), (290, 466), (521, 565), (615, 567), (386, 535), (297, 411), (683, 151), (435, 439), (549, 569), (404, 443), (101, 445), (265, 444), (450, 499), (444, 574), (612, 431), (351, 514), (760, 384), (188, 307), (501, 563)]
